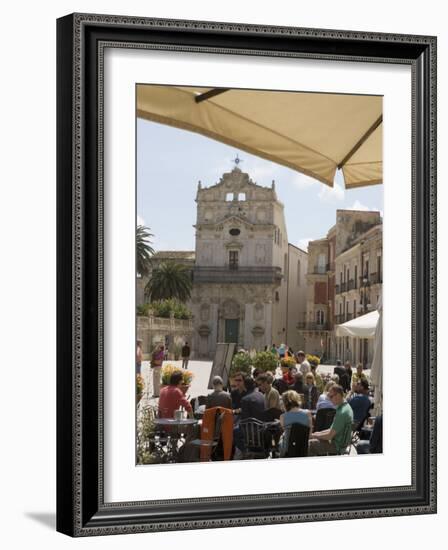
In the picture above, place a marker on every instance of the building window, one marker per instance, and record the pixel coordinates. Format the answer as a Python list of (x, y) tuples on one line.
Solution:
[(320, 317), (354, 308), (233, 259), (234, 231), (321, 261), (229, 197), (298, 272), (241, 196), (285, 265), (378, 270), (277, 297), (356, 276)]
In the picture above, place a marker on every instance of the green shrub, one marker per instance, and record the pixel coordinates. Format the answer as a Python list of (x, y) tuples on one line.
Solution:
[(143, 310), (241, 362), (288, 362), (312, 359), (165, 308), (265, 361)]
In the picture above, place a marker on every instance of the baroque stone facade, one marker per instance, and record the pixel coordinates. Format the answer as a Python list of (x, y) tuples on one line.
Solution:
[(249, 283), (247, 286)]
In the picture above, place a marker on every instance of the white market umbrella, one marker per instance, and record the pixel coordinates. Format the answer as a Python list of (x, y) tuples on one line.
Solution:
[(313, 133), (361, 327), (376, 372)]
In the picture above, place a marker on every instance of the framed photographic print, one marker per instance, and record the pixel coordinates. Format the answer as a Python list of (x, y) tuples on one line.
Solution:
[(246, 235)]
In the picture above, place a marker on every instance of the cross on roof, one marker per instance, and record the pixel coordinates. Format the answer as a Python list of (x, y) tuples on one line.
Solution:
[(237, 160)]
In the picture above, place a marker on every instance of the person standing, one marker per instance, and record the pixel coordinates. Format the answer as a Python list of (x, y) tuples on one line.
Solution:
[(156, 364), (185, 355), (304, 366)]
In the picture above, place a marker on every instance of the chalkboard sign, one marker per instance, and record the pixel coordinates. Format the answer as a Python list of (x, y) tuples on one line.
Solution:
[(221, 363)]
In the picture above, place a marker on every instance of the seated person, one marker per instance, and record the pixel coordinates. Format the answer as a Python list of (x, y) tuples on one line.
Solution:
[(252, 403), (359, 374), (294, 414), (335, 439), (360, 402), (375, 444), (238, 392), (324, 402), (280, 385), (172, 398), (219, 397), (271, 395), (252, 406), (343, 376), (317, 378), (298, 385), (310, 392), (288, 374)]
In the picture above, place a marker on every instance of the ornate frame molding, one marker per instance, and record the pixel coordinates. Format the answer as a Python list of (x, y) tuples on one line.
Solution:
[(81, 42)]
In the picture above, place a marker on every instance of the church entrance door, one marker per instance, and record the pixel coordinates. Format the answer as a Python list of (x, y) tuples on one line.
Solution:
[(231, 331)]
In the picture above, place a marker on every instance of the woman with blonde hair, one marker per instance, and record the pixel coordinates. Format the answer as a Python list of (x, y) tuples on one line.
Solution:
[(294, 415)]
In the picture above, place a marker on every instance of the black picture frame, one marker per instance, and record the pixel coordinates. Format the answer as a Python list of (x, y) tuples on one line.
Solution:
[(81, 510)]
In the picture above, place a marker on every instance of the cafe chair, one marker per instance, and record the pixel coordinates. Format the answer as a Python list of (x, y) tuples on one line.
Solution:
[(324, 419), (209, 444), (297, 436), (256, 437)]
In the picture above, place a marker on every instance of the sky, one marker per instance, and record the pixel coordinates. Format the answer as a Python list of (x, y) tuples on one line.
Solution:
[(170, 162)]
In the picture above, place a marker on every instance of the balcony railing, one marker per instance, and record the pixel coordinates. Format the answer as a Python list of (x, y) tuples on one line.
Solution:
[(313, 326), (321, 269), (259, 275), (339, 319), (375, 278)]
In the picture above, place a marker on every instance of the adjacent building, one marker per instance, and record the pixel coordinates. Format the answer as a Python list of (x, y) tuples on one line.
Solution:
[(344, 281)]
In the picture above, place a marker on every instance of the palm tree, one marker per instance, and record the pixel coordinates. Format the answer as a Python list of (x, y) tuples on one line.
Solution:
[(169, 280), (144, 250)]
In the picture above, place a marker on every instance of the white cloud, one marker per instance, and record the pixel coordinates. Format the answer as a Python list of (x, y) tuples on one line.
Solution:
[(332, 194), (303, 243), (357, 205), (140, 220), (304, 182)]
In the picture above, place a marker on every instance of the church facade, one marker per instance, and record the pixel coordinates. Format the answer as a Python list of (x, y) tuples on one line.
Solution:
[(249, 283)]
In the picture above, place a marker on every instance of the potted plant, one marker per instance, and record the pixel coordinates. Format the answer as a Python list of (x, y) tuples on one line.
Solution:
[(241, 362), (187, 377), (140, 386), (265, 361), (312, 359), (288, 362), (167, 371)]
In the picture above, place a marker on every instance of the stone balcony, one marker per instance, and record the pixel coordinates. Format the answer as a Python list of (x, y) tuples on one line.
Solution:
[(313, 326), (254, 275)]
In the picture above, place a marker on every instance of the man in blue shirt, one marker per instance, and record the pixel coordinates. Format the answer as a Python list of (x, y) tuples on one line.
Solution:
[(360, 402)]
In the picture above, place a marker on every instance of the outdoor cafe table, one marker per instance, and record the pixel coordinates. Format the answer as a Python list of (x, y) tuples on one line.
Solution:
[(176, 429)]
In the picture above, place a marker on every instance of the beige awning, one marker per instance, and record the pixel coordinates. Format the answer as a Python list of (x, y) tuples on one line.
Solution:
[(312, 133)]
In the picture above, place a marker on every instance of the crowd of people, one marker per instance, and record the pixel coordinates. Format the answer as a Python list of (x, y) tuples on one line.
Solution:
[(279, 400)]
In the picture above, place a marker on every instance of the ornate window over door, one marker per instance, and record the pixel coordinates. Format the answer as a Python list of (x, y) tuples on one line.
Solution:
[(233, 259)]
